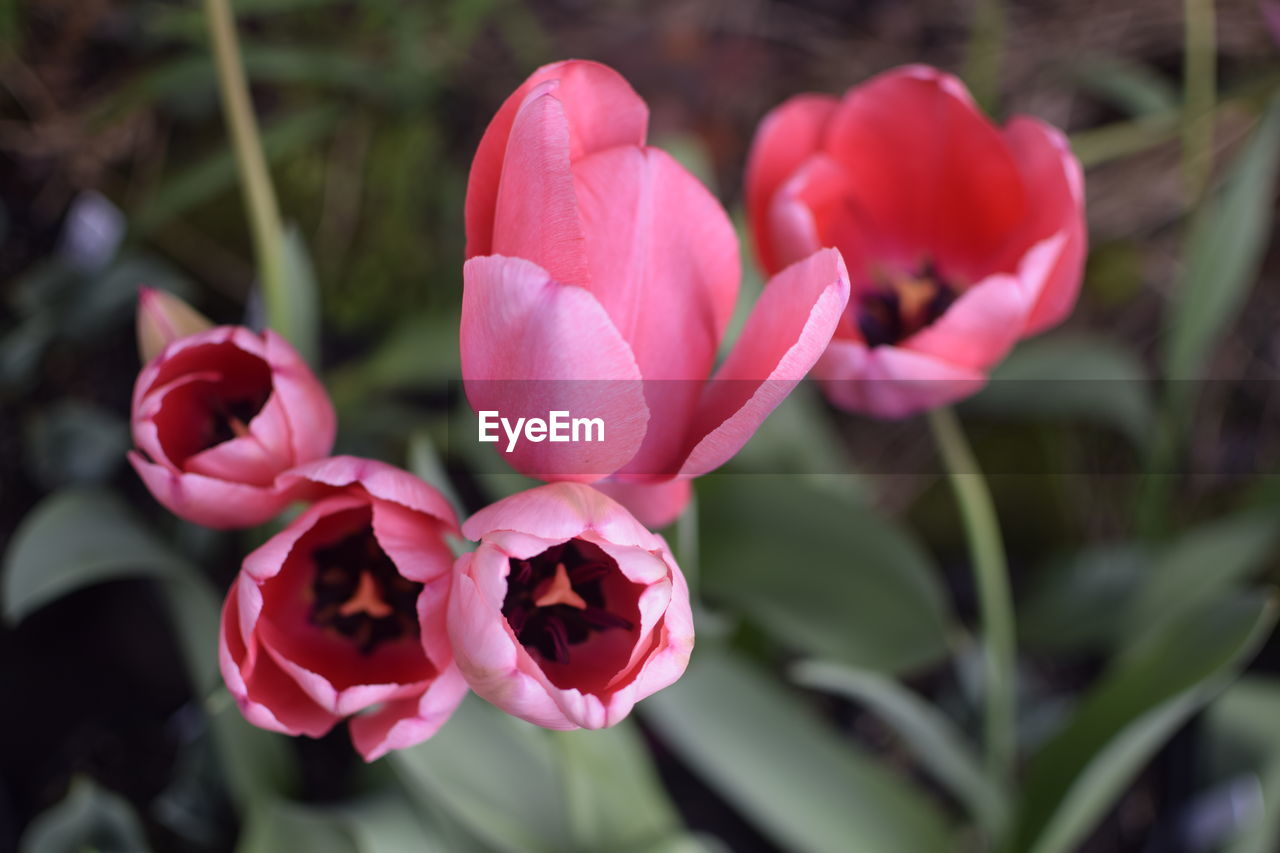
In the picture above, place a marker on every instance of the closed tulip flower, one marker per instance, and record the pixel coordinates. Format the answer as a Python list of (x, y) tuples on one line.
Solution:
[(960, 237), (569, 611), (341, 614), (219, 414), (600, 281)]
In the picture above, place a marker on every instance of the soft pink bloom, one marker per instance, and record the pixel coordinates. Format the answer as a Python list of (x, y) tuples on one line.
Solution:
[(218, 415), (341, 614), (569, 611), (600, 280), (960, 237)]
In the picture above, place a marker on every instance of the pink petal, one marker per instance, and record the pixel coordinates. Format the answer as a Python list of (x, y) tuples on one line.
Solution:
[(655, 503), (413, 541), (602, 109), (785, 335), (890, 382), (537, 213), (559, 512), (813, 210), (931, 173), (407, 722), (206, 501), (665, 266), (163, 318), (1055, 187), (979, 328), (380, 480), (312, 423), (267, 697), (787, 136), (530, 346), (675, 644)]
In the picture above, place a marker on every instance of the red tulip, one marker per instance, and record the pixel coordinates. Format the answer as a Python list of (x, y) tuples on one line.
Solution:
[(569, 611), (595, 257), (219, 414), (960, 237), (341, 614)]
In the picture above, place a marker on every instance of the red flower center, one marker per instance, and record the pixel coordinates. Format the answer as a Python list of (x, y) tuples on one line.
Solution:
[(227, 389), (557, 599), (359, 593), (901, 305)]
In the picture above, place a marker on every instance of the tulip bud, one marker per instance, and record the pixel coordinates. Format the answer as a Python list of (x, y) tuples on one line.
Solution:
[(162, 319), (218, 415)]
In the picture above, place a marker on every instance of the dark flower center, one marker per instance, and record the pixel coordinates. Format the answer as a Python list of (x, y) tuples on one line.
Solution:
[(360, 594), (557, 600), (229, 418), (902, 305)]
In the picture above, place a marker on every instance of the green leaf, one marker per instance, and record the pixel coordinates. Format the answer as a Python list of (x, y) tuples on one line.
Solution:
[(783, 769), (299, 321), (615, 799), (934, 740), (75, 442), (216, 173), (1200, 565), (824, 576), (274, 825), (1246, 715), (425, 464), (1134, 87), (89, 818), (1080, 377), (75, 538), (1080, 603), (496, 775), (1228, 240), (387, 822), (1143, 698)]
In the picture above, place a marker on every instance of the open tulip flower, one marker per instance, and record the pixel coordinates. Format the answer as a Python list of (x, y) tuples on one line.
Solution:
[(219, 414), (600, 281), (960, 237), (341, 614), (569, 611)]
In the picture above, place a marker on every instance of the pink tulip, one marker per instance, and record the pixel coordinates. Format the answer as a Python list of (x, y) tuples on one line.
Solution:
[(569, 611), (341, 614), (600, 281), (961, 238), (219, 414)]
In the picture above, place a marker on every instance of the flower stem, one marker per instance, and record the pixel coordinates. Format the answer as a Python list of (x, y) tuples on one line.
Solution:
[(991, 574), (260, 196)]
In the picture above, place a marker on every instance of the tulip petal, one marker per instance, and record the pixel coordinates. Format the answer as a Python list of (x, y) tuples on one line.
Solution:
[(813, 210), (406, 722), (208, 501), (783, 338), (664, 264), (602, 109), (979, 328), (891, 382), (655, 503), (559, 512), (537, 212), (1054, 179), (378, 479), (267, 697), (530, 346), (786, 138), (932, 174), (305, 403)]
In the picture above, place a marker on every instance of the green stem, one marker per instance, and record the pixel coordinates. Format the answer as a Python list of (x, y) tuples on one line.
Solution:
[(260, 196), (986, 551)]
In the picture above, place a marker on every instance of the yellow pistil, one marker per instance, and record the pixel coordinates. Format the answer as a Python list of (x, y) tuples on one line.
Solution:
[(367, 599), (558, 590)]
